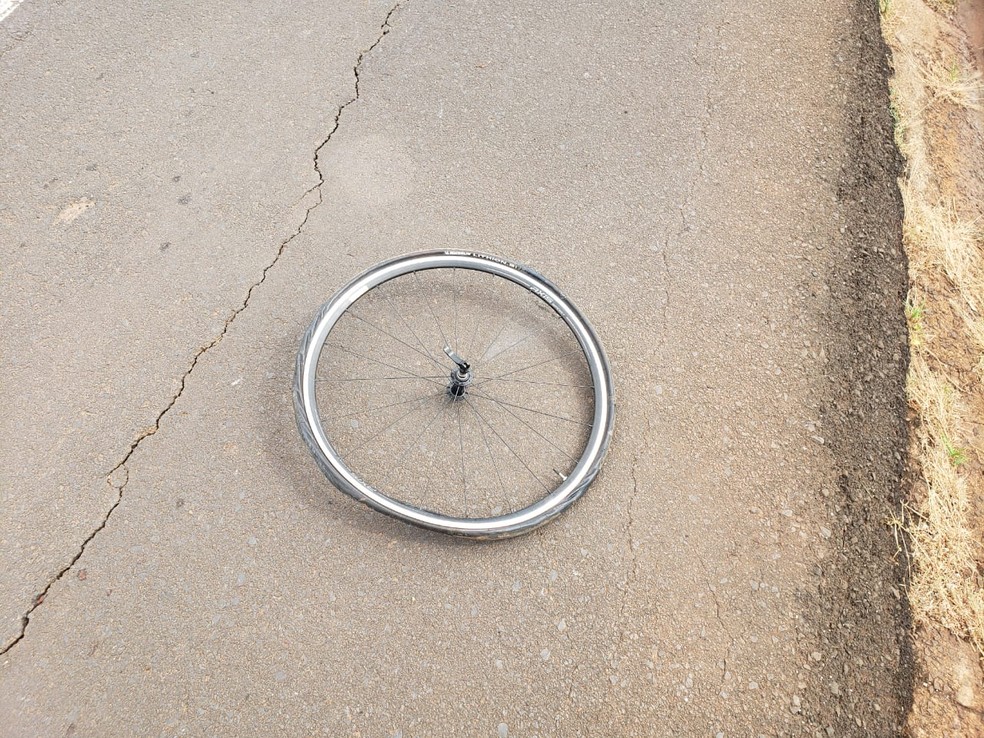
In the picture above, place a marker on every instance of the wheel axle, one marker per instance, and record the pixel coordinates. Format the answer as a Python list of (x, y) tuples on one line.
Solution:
[(461, 377)]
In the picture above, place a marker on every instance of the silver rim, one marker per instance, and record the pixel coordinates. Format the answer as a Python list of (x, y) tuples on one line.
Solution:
[(332, 462)]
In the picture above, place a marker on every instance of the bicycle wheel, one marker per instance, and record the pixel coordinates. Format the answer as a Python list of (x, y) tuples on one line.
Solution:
[(456, 391)]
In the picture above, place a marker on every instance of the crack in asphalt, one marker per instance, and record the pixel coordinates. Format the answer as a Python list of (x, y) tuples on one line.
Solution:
[(18, 37), (8, 49), (384, 29), (701, 162), (632, 544), (701, 157), (121, 467), (665, 308), (724, 626)]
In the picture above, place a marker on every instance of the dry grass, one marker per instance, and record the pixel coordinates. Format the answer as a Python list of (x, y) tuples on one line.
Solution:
[(953, 83), (945, 588), (942, 6), (948, 243), (946, 270), (975, 327)]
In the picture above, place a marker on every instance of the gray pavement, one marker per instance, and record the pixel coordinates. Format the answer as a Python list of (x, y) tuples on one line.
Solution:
[(182, 187)]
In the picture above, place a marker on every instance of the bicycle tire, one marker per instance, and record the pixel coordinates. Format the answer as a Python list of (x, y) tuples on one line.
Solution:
[(330, 460)]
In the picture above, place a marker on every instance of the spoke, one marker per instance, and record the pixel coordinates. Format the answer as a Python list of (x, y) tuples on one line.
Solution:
[(502, 327), (509, 447), (530, 381), (440, 446), (392, 404), (474, 335), (374, 379), (413, 444), (488, 447), (398, 340), (523, 369), (454, 305), (528, 336), (376, 435), (529, 410), (522, 340), (504, 407), (480, 382), (431, 309), (383, 363), (398, 314), (461, 450)]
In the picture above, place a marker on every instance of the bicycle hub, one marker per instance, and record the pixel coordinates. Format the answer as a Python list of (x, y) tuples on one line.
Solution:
[(461, 377)]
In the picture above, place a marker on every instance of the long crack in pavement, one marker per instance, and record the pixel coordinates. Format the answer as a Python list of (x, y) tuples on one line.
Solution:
[(120, 467)]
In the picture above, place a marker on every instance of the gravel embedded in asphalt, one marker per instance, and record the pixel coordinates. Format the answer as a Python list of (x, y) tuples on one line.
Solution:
[(712, 184)]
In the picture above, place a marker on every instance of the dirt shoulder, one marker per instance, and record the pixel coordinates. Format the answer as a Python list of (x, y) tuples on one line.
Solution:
[(936, 100), (861, 606)]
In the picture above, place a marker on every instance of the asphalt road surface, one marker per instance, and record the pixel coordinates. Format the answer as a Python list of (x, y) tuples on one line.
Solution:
[(182, 185)]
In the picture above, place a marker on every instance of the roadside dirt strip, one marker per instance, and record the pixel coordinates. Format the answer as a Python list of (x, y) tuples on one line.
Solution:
[(937, 93), (712, 183)]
